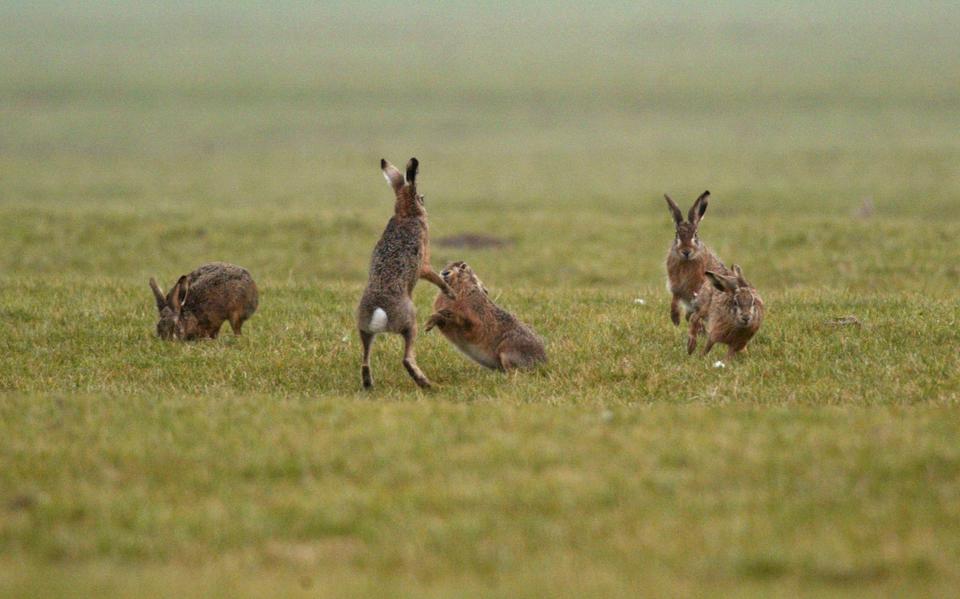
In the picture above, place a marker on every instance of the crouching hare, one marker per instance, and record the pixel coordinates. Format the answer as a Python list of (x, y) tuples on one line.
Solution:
[(400, 259), (479, 328), (730, 311), (688, 259), (199, 302)]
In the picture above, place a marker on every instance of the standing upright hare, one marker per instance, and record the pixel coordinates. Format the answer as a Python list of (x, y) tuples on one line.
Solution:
[(400, 259), (199, 302), (688, 258), (730, 311), (481, 329)]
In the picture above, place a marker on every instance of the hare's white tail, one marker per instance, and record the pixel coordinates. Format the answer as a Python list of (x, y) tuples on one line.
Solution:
[(378, 322)]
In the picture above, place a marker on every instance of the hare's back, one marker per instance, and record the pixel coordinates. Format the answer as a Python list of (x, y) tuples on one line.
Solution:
[(222, 287), (214, 272), (398, 254)]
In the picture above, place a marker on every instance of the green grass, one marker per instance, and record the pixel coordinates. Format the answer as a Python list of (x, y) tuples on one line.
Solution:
[(140, 141)]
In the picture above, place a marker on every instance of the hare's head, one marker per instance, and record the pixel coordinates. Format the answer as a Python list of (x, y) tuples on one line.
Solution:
[(461, 278), (409, 202), (174, 324), (686, 244), (744, 302)]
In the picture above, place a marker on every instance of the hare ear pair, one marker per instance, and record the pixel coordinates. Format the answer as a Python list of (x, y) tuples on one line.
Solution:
[(727, 282), (722, 282), (696, 213), (177, 297), (395, 178)]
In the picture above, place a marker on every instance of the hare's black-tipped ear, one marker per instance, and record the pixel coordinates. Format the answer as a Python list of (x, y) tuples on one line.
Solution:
[(699, 208), (158, 295), (721, 282), (393, 176), (412, 168), (674, 209)]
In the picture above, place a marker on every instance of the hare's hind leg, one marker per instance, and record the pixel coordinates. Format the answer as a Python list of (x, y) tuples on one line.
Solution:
[(236, 322), (367, 340), (410, 360)]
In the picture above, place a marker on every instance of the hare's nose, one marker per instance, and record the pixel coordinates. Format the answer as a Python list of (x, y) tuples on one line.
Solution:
[(686, 253)]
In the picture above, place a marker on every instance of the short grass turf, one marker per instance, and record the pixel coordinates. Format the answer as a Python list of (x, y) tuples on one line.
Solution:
[(138, 141)]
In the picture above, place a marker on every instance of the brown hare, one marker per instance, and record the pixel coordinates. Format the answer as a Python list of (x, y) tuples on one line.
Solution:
[(730, 311), (199, 302), (688, 258), (400, 259), (479, 328)]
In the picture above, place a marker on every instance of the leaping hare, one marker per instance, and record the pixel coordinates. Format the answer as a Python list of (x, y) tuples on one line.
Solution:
[(400, 259), (479, 328)]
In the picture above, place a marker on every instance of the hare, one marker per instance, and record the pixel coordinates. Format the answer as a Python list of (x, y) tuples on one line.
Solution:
[(400, 259), (730, 310), (199, 302), (479, 328), (688, 259)]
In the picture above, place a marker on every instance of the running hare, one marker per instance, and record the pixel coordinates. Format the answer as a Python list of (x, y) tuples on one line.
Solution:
[(688, 258), (730, 311)]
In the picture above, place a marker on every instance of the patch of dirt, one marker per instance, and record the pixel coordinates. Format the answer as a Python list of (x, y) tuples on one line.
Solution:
[(472, 241), (866, 209), (21, 502), (313, 553)]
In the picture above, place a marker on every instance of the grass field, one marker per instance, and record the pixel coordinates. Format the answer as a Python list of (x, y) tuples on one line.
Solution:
[(139, 140)]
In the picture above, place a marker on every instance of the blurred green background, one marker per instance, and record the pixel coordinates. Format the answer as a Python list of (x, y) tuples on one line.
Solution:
[(142, 139)]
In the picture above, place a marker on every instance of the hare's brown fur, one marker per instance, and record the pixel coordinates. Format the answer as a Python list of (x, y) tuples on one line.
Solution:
[(479, 328), (201, 301), (729, 310), (688, 259), (400, 259)]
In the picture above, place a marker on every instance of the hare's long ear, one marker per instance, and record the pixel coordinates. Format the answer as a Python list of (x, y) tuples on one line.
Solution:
[(393, 176), (740, 280), (721, 282), (699, 208), (158, 295), (412, 168), (674, 209), (178, 296)]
